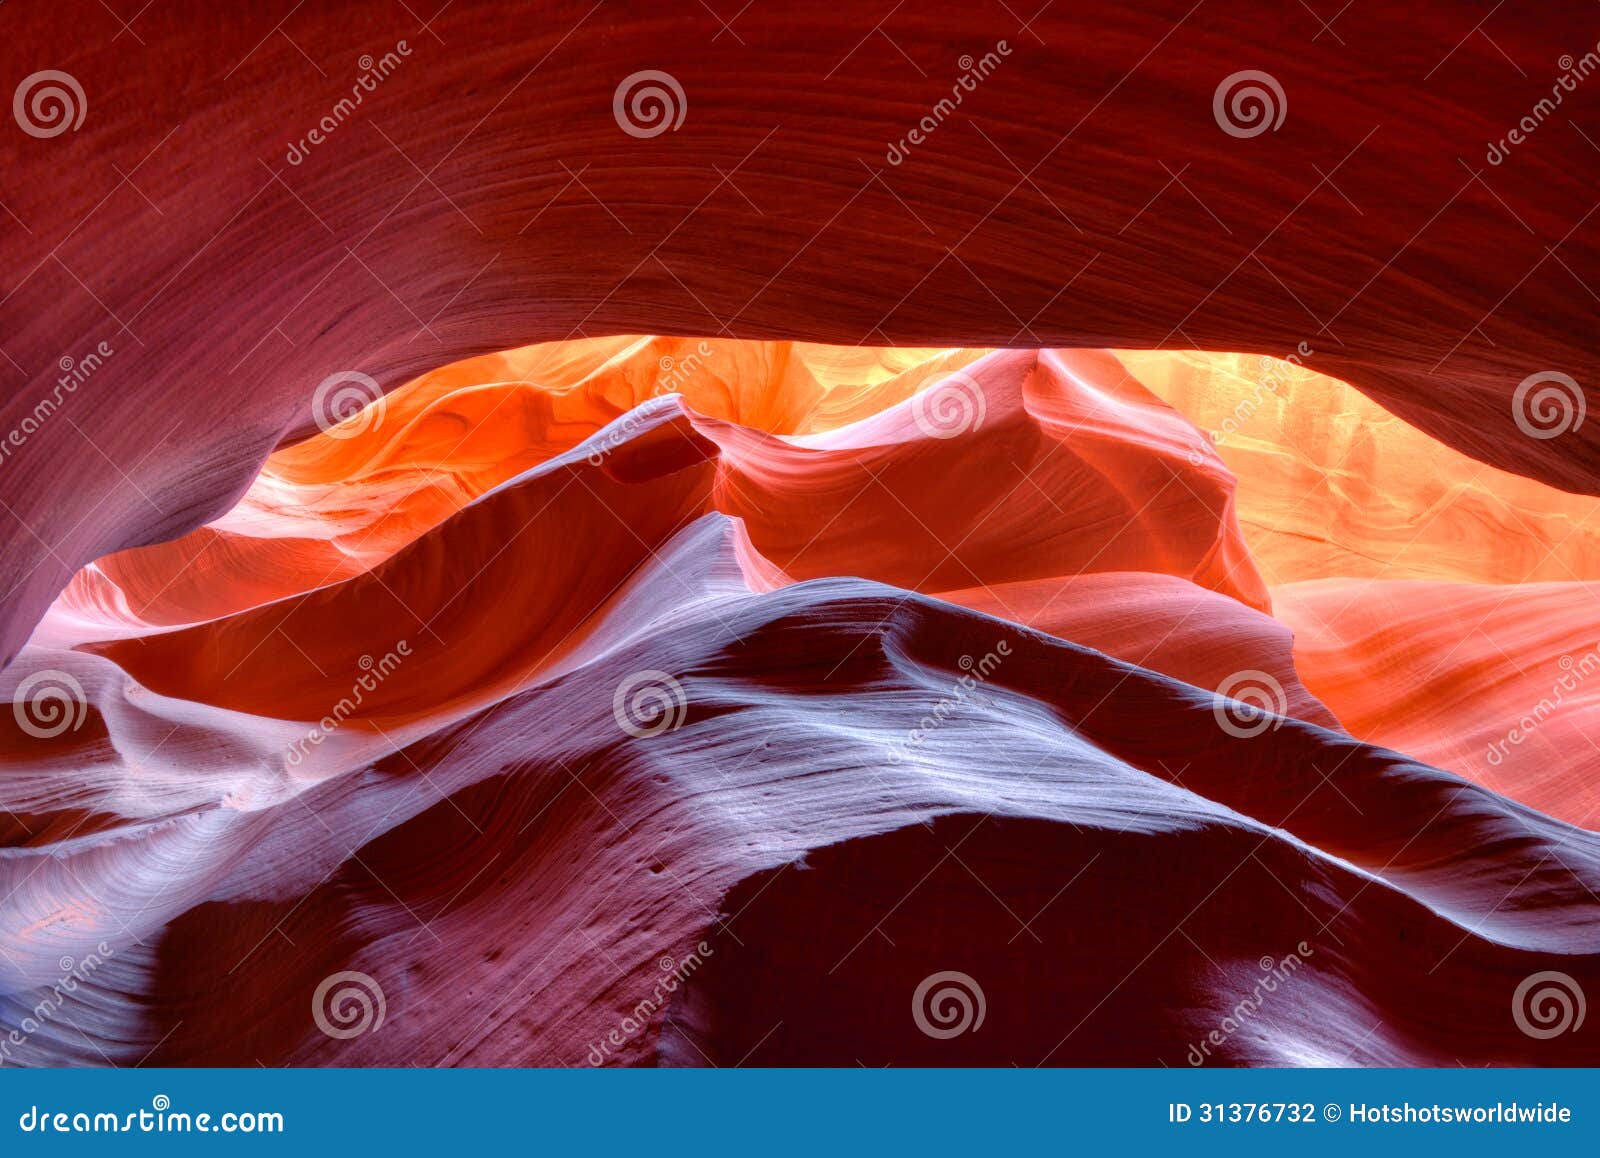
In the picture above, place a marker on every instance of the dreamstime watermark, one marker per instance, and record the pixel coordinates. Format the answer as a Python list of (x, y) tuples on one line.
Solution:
[(49, 103), (375, 672), (952, 407), (648, 103), (48, 703), (977, 672), (373, 73), (73, 974), (1576, 671), (1248, 103), (161, 1118), (1573, 73), (972, 72), (74, 373), (1248, 703), (1274, 972), (675, 374), (348, 1004), (675, 972), (677, 371), (1272, 378), (1548, 404), (347, 404), (648, 703), (1548, 1004), (948, 1004)]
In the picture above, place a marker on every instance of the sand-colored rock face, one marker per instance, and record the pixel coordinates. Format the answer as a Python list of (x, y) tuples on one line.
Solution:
[(1334, 485), (668, 700), (1440, 606)]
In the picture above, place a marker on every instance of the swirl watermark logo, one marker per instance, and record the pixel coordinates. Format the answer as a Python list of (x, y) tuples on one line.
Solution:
[(49, 103), (648, 703), (48, 703), (1248, 703), (948, 1004), (347, 404), (649, 103), (951, 408), (1249, 103), (348, 1004), (1548, 1004), (1548, 404)]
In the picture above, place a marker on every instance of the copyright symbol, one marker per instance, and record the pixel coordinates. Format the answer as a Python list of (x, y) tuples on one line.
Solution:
[(1331, 1112)]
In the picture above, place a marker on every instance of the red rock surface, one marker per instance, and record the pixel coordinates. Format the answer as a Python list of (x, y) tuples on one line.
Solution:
[(940, 661), (482, 196), (554, 732)]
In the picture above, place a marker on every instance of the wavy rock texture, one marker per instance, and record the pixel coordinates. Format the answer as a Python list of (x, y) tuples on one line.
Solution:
[(1497, 683), (236, 228), (658, 701), (1440, 606)]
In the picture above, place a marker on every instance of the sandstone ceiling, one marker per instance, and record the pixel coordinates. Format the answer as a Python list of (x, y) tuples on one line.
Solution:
[(485, 194)]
